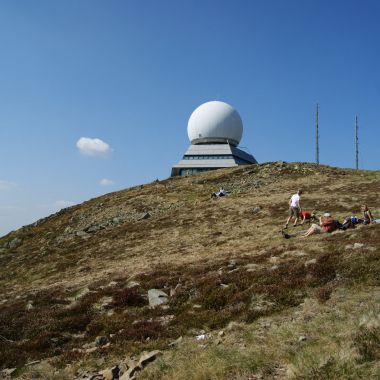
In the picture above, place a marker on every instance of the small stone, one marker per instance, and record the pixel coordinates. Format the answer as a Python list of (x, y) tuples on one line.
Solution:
[(203, 336), (101, 341), (302, 338), (358, 245), (176, 342), (145, 216), (81, 234), (252, 267), (90, 350), (221, 333), (310, 262), (132, 284)]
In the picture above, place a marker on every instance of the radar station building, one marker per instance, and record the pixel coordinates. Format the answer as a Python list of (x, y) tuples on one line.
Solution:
[(215, 130)]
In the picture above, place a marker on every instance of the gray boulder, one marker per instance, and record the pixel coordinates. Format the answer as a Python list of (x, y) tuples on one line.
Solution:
[(157, 297)]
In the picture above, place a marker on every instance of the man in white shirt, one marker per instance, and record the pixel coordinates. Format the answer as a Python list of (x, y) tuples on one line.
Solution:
[(294, 208)]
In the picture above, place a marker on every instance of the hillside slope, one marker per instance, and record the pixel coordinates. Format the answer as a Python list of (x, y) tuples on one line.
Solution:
[(85, 272)]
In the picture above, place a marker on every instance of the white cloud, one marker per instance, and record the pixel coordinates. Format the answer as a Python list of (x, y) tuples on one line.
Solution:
[(106, 182), (93, 147), (62, 204), (6, 185)]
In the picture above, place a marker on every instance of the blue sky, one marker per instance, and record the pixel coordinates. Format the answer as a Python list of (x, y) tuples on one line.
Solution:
[(130, 73)]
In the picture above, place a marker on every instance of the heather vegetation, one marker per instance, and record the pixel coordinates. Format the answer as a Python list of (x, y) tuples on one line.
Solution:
[(246, 302)]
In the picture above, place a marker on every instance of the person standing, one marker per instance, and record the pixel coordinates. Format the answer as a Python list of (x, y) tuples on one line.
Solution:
[(294, 208)]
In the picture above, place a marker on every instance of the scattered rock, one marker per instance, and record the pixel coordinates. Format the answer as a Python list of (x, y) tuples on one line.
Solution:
[(131, 372), (358, 245), (83, 374), (132, 284), (256, 210), (176, 342), (310, 262), (145, 216), (101, 341), (14, 243), (111, 374), (90, 350), (157, 297), (32, 363), (81, 234), (203, 336), (149, 357), (252, 267), (7, 372), (302, 338)]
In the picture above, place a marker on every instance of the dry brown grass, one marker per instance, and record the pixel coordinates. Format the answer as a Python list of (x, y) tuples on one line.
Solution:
[(188, 243)]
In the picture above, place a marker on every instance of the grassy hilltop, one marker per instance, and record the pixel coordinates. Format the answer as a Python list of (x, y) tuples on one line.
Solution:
[(265, 307)]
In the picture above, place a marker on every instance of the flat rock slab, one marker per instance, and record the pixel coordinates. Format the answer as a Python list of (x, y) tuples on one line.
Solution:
[(157, 297)]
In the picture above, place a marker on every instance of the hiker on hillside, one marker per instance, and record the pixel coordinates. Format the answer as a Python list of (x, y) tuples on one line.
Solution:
[(220, 193), (294, 208), (326, 224)]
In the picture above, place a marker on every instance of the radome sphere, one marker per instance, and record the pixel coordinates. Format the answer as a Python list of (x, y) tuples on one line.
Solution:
[(215, 122)]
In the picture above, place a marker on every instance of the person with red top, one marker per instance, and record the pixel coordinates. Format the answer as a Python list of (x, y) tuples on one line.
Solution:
[(307, 215), (326, 224)]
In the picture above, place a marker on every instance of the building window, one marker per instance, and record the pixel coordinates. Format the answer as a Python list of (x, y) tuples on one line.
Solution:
[(208, 157)]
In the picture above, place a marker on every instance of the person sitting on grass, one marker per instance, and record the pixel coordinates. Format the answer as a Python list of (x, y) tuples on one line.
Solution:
[(218, 194), (326, 225), (367, 215)]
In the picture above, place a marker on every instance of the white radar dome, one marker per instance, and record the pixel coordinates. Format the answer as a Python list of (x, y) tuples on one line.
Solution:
[(215, 122)]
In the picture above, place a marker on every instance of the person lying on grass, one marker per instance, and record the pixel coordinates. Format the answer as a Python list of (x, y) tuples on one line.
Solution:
[(218, 194), (326, 224)]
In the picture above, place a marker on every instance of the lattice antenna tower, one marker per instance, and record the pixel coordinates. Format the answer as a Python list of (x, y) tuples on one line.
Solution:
[(317, 135), (356, 143)]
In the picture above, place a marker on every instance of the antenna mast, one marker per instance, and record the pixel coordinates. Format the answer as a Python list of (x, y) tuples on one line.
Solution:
[(356, 143), (317, 135)]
